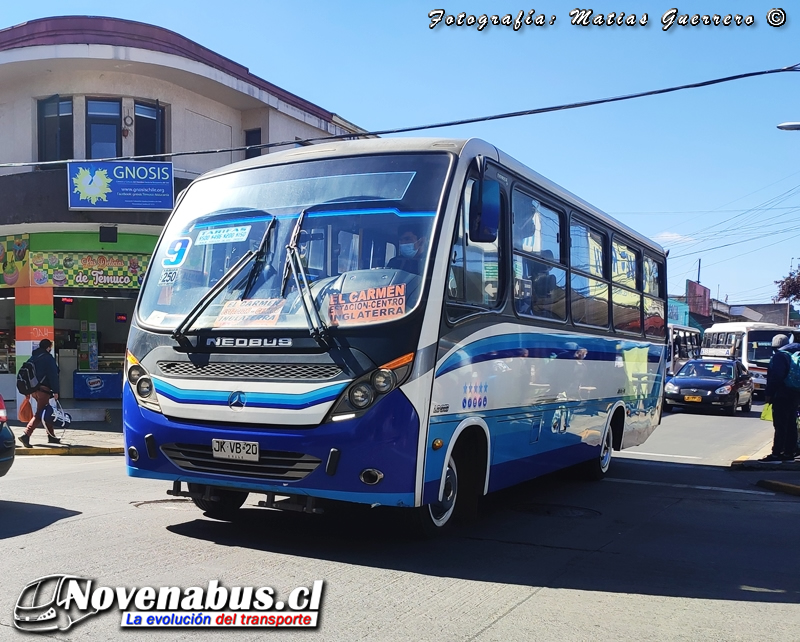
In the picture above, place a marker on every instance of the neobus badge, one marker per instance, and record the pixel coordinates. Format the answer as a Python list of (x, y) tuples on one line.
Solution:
[(248, 342)]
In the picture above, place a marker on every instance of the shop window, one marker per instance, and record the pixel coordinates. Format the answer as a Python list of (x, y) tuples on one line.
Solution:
[(148, 130), (55, 129), (103, 128), (252, 137)]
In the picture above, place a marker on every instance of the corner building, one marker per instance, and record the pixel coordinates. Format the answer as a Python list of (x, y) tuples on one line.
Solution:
[(72, 250)]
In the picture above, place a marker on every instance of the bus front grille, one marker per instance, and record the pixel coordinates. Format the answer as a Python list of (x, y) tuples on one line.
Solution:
[(223, 370), (271, 464)]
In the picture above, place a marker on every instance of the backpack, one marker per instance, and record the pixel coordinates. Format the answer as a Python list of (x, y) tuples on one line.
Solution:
[(27, 380), (793, 376), (55, 417)]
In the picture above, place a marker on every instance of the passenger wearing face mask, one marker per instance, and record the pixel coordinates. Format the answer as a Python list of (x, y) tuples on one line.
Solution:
[(410, 253)]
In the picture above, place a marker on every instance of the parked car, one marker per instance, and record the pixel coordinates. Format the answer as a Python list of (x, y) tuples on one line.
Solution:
[(710, 384), (7, 444)]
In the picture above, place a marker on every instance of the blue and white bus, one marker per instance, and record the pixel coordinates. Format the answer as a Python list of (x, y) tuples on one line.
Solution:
[(400, 322)]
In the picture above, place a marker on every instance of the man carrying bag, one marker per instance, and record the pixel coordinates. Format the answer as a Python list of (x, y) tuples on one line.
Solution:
[(46, 374), (784, 395)]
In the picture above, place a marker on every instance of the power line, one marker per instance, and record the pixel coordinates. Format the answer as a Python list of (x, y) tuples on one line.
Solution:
[(452, 123)]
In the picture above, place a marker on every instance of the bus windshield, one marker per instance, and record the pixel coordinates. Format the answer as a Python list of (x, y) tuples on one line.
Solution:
[(759, 346), (359, 230)]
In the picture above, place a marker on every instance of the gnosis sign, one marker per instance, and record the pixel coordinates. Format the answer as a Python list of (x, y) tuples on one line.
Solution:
[(120, 185)]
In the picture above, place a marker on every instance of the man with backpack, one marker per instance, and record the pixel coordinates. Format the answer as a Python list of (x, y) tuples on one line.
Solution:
[(783, 392), (45, 378)]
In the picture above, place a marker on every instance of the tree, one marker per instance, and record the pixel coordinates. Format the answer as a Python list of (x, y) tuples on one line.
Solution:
[(789, 288)]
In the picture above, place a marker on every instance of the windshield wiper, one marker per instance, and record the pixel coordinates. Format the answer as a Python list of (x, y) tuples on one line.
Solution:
[(179, 334), (261, 258), (316, 326)]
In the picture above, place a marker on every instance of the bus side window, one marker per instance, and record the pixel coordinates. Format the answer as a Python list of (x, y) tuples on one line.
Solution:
[(474, 273)]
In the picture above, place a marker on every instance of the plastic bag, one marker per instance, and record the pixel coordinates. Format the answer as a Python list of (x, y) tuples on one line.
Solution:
[(766, 413), (25, 411)]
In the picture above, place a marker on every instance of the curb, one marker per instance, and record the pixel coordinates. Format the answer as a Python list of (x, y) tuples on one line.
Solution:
[(71, 450), (744, 463), (781, 487)]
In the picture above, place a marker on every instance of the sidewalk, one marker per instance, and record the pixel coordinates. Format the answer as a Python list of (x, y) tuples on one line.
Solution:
[(102, 437), (783, 477)]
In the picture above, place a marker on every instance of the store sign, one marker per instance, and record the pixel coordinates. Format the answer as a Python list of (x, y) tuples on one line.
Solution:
[(84, 270), (120, 185), (14, 259)]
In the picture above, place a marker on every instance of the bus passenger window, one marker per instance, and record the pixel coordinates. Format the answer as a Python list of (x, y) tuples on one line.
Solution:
[(539, 288), (589, 301)]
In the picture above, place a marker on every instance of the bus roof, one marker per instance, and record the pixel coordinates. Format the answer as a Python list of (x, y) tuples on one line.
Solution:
[(457, 146), (687, 328), (741, 326)]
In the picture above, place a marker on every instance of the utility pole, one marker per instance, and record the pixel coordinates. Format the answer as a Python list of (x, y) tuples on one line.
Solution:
[(698, 270)]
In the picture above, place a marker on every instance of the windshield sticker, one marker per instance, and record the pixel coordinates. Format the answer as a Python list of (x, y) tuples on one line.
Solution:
[(223, 235), (250, 313), (177, 252), (368, 306), (168, 277), (716, 368)]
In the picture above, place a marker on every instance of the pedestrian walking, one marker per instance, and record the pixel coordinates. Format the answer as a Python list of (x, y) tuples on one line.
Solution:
[(47, 374), (785, 401)]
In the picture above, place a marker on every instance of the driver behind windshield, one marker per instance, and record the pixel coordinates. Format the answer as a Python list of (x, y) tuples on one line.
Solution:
[(410, 250)]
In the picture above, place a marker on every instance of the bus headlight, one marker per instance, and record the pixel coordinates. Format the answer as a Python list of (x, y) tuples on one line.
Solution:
[(144, 387), (369, 388), (383, 380), (135, 373), (361, 395), (141, 383)]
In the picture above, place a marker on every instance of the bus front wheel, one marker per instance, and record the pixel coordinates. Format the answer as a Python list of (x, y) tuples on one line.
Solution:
[(437, 518), (224, 506)]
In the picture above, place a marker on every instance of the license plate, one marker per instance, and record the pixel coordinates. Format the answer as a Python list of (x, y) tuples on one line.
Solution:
[(229, 449), (690, 398)]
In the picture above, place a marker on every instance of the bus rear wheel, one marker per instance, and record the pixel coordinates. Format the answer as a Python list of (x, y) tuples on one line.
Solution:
[(224, 507), (595, 469)]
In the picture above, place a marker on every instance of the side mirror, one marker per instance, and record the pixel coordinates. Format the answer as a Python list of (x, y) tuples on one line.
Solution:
[(484, 211), (670, 373)]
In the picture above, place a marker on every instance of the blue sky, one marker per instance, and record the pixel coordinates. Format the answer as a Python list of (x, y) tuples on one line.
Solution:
[(695, 170)]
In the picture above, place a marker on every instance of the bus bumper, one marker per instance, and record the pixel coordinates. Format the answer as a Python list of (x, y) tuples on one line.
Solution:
[(293, 460)]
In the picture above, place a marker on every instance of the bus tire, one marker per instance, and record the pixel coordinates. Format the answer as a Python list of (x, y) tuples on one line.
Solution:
[(437, 518), (225, 508), (595, 469)]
